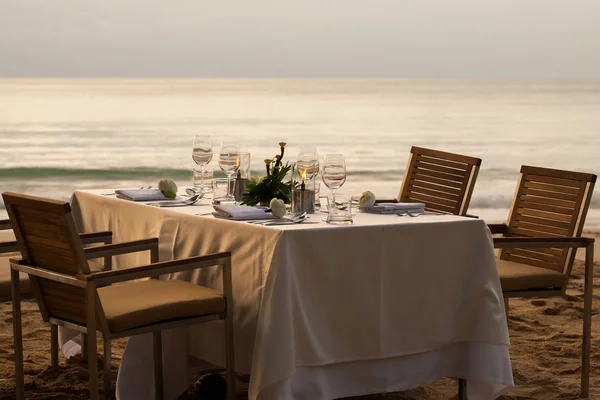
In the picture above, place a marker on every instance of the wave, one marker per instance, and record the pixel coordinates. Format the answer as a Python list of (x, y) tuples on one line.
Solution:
[(107, 174)]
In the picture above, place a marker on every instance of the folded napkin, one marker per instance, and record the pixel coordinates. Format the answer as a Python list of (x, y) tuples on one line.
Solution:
[(240, 213), (394, 208), (141, 194)]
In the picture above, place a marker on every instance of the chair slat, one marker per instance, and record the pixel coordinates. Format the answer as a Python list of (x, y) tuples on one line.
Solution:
[(435, 193), (554, 181), (569, 204), (457, 173), (440, 161), (541, 228), (523, 203), (549, 194), (543, 221), (530, 261), (513, 230), (434, 186), (552, 188), (440, 175), (543, 214), (530, 253), (427, 178)]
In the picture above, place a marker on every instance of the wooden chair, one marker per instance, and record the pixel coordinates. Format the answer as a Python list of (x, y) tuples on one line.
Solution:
[(69, 295), (443, 181), (541, 238)]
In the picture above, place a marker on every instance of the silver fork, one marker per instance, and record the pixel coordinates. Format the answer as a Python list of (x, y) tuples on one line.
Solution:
[(410, 214)]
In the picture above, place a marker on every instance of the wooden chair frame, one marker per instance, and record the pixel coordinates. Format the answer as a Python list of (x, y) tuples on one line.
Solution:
[(443, 181), (513, 238), (94, 314)]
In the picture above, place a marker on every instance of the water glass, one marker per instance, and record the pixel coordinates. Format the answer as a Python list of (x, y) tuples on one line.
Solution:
[(339, 210), (220, 188)]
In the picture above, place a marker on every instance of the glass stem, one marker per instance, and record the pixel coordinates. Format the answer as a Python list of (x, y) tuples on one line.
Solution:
[(228, 186), (333, 197)]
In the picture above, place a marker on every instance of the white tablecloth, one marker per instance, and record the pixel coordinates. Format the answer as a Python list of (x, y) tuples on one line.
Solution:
[(324, 311)]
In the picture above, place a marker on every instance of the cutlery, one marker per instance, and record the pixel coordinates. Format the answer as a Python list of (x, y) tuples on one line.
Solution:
[(187, 202), (297, 218), (410, 214)]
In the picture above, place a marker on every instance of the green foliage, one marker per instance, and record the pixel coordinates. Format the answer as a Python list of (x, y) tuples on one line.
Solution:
[(269, 187)]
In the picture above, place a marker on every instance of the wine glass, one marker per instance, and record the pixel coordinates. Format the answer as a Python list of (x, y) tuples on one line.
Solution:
[(229, 162), (308, 160), (202, 154), (334, 172)]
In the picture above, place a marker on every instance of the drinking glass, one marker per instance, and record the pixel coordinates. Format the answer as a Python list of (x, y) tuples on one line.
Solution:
[(229, 162), (339, 212), (203, 179), (202, 153), (334, 172), (308, 160)]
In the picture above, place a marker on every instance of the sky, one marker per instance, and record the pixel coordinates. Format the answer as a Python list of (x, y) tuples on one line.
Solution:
[(303, 38)]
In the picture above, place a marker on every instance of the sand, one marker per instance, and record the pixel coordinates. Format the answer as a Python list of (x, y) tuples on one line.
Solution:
[(545, 352)]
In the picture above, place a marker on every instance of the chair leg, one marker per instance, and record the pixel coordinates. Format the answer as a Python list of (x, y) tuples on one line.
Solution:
[(158, 369), (230, 358), (54, 345), (462, 389), (84, 348), (17, 334), (506, 308), (587, 321), (91, 340), (107, 365)]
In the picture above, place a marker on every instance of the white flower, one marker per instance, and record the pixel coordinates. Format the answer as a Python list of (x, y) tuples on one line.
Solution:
[(367, 199), (277, 207), (168, 188)]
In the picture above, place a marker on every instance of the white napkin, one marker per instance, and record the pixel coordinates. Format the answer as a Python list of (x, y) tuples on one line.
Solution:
[(141, 194), (240, 213), (394, 208)]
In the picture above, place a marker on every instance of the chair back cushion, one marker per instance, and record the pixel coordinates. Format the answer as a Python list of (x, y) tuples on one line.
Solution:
[(548, 203), (48, 240), (443, 181)]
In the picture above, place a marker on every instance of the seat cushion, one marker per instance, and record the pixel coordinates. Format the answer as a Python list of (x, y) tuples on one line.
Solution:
[(135, 304), (517, 277), (5, 278)]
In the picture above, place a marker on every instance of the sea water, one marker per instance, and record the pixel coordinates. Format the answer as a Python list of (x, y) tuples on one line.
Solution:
[(61, 135)]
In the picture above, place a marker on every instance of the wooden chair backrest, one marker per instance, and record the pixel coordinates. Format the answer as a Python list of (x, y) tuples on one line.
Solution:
[(548, 203), (48, 240), (7, 247), (443, 181)]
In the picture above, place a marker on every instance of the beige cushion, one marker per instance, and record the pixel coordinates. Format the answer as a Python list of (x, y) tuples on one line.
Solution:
[(517, 277), (5, 278), (139, 303)]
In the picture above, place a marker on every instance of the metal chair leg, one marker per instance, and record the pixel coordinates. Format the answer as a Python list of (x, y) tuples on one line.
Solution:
[(17, 334), (91, 340), (587, 321), (106, 371), (158, 369), (462, 389), (54, 345)]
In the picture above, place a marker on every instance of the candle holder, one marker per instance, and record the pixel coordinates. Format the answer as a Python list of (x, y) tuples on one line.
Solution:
[(242, 178), (303, 189)]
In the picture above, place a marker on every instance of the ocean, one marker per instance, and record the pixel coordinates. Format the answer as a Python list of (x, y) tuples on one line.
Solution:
[(61, 135)]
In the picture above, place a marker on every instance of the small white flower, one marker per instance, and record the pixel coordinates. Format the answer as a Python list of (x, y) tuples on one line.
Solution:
[(367, 199), (277, 207), (168, 188)]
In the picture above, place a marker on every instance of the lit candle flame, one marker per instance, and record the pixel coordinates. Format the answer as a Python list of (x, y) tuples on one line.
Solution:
[(237, 161), (303, 174)]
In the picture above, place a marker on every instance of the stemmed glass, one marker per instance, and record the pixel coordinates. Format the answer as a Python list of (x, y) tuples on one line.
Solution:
[(308, 160), (229, 162), (334, 172), (202, 153)]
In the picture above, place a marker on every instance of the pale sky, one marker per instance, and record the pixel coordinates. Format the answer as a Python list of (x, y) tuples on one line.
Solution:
[(303, 38)]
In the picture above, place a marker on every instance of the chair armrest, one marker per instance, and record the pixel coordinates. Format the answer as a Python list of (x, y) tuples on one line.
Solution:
[(8, 247), (539, 242), (155, 269), (122, 248), (498, 228), (96, 237), (5, 224)]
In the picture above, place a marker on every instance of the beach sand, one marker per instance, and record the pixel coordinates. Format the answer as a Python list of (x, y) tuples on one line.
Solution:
[(545, 351)]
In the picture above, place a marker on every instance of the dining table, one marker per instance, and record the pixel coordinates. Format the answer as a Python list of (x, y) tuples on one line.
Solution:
[(321, 311)]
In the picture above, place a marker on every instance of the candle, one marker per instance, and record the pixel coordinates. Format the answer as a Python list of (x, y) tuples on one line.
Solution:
[(303, 176)]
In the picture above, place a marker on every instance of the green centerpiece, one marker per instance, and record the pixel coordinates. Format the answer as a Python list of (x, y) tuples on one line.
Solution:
[(271, 186)]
